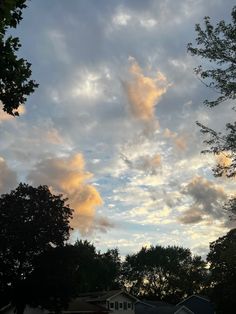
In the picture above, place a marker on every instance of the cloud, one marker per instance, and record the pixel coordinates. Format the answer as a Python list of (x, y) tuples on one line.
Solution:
[(67, 175), (7, 117), (181, 142), (167, 133), (224, 161), (148, 164), (144, 92), (191, 216), (207, 201), (54, 137), (8, 178)]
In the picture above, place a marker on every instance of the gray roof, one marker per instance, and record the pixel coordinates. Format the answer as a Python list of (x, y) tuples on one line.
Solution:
[(80, 305), (103, 295), (198, 305), (154, 307)]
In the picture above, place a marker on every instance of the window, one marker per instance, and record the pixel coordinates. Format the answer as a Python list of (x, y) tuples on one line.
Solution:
[(125, 305), (129, 305), (121, 305), (111, 305), (116, 305)]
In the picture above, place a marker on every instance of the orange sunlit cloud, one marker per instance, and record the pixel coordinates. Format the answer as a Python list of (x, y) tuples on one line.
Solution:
[(67, 175), (144, 92), (181, 142), (223, 160), (6, 117)]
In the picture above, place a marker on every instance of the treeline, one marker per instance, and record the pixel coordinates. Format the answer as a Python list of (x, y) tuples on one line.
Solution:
[(38, 267)]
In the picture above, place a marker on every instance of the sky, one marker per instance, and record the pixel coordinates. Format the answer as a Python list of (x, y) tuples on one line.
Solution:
[(112, 125)]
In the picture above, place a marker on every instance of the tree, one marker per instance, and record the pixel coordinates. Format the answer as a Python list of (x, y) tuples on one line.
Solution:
[(168, 274), (96, 271), (32, 221), (218, 46), (15, 82), (222, 259), (53, 281)]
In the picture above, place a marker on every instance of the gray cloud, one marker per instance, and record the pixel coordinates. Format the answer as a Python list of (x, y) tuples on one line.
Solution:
[(208, 200), (8, 177)]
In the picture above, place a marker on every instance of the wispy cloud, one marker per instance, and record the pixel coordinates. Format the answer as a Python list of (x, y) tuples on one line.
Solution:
[(8, 177)]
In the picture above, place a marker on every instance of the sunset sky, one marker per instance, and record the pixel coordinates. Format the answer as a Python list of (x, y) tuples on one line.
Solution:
[(112, 124)]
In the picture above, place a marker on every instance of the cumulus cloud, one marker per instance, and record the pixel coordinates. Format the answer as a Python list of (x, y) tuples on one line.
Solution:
[(67, 175), (8, 178), (146, 163), (144, 92), (207, 201), (192, 216)]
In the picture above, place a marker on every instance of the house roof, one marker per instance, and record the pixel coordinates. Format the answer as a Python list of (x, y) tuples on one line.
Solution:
[(154, 307), (198, 304), (104, 295), (80, 305)]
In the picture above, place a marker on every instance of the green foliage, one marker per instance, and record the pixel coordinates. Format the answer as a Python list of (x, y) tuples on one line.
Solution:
[(222, 259), (217, 45), (15, 82), (168, 274), (32, 221)]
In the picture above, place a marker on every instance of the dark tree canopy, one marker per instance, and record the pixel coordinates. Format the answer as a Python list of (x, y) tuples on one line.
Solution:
[(53, 282), (222, 259), (217, 45), (168, 274), (32, 221), (15, 73), (96, 271)]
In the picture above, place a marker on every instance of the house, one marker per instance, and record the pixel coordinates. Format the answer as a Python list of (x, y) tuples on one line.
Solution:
[(115, 302), (192, 305), (198, 305), (121, 302)]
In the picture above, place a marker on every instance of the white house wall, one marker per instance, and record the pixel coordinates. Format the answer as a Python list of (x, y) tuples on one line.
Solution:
[(121, 299)]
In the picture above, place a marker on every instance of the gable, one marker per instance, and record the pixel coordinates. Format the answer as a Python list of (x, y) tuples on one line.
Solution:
[(198, 305), (184, 310)]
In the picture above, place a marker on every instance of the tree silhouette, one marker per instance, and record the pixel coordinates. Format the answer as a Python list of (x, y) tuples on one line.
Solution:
[(32, 221), (96, 271), (218, 46), (222, 259), (168, 274), (15, 82), (53, 282)]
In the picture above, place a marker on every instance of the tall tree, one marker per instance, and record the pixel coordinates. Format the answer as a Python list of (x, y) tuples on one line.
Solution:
[(96, 271), (217, 45), (32, 221), (15, 73), (222, 260), (53, 282), (168, 274)]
